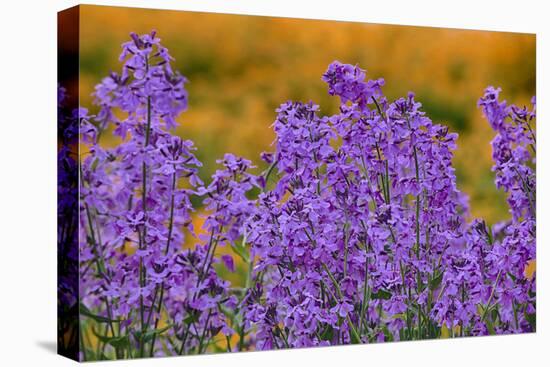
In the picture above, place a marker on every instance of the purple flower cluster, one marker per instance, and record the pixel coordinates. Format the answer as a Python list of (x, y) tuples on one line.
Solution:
[(135, 204), (365, 236), (358, 232), (490, 281), (354, 239)]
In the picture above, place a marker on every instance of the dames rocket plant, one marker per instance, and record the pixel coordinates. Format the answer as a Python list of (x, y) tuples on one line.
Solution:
[(355, 233)]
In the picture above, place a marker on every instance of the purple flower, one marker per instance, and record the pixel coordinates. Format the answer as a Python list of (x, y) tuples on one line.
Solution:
[(228, 262)]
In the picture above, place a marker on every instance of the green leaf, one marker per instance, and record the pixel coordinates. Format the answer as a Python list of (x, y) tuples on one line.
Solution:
[(94, 165), (402, 316), (480, 309), (190, 319), (327, 334), (101, 319), (388, 335), (116, 341), (490, 327), (436, 281), (218, 349), (381, 294), (531, 319), (90, 354), (152, 333), (230, 314), (241, 252)]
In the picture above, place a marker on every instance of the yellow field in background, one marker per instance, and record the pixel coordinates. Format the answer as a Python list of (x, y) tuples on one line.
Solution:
[(241, 68)]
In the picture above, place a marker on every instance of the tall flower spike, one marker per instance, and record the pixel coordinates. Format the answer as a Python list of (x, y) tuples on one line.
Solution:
[(147, 79), (134, 207)]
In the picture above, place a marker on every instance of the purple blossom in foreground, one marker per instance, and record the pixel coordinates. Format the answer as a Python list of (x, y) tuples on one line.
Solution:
[(355, 233), (353, 251), (364, 236), (135, 204)]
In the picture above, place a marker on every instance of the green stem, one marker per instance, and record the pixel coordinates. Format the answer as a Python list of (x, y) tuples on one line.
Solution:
[(184, 339), (285, 339), (171, 220), (212, 244), (486, 309), (269, 171), (366, 296), (143, 242), (201, 339), (354, 333), (346, 250), (82, 346), (417, 232), (166, 249), (98, 258)]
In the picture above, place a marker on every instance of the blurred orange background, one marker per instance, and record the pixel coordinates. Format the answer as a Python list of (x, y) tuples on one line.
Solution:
[(242, 67)]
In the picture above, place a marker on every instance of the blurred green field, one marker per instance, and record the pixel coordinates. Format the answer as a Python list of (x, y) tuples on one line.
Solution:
[(241, 68)]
